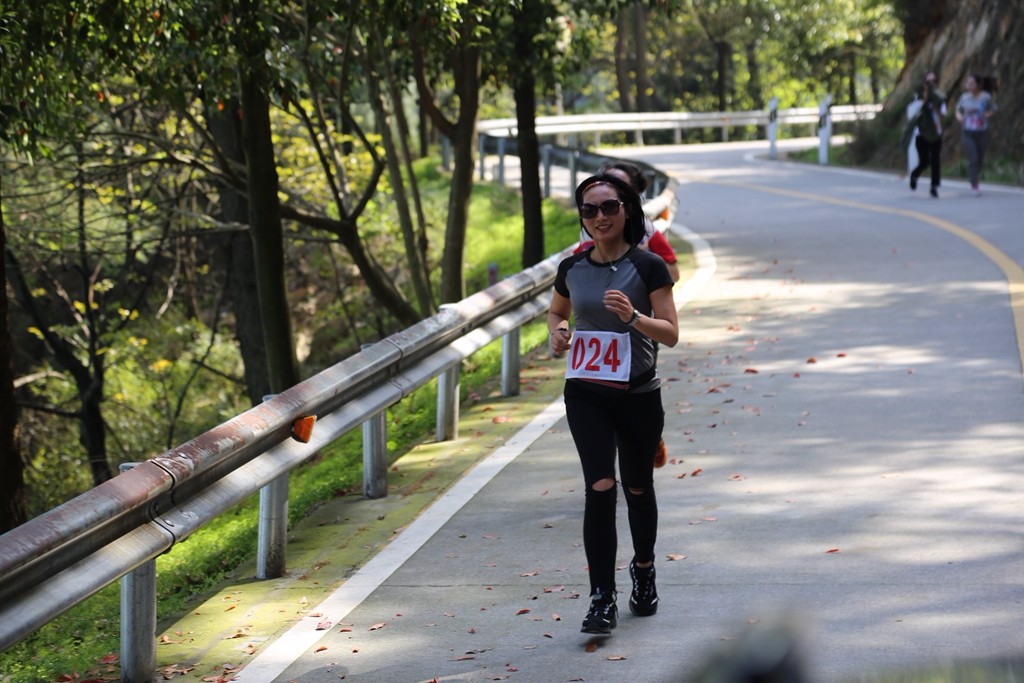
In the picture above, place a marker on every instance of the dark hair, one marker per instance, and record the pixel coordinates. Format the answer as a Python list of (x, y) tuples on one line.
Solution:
[(987, 83), (636, 177), (634, 230)]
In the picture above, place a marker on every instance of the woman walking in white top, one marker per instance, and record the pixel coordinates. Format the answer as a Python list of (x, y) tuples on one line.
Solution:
[(973, 111)]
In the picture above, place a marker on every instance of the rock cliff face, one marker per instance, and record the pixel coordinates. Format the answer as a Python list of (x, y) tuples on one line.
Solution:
[(985, 37)]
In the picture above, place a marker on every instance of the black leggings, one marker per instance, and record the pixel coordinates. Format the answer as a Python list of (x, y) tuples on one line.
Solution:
[(631, 424), (929, 154)]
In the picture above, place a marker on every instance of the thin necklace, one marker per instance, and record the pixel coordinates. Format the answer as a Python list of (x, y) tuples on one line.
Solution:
[(614, 263)]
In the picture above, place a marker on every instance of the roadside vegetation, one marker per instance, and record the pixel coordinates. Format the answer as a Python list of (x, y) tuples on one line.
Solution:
[(82, 644)]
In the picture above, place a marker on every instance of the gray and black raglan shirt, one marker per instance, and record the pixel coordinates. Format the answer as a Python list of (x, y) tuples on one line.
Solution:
[(584, 282)]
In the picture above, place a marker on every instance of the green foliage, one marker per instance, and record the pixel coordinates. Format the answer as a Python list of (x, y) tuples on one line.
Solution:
[(496, 238), (150, 374)]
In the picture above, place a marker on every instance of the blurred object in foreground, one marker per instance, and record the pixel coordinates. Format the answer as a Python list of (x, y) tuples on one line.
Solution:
[(767, 653)]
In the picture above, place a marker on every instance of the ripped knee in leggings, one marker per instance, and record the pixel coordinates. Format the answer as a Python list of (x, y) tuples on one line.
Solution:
[(605, 484)]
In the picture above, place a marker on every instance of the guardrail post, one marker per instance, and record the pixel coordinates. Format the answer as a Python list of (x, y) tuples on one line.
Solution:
[(510, 363), (773, 128), (138, 619), (481, 151), (574, 164), (447, 425), (272, 531), (545, 158), (375, 454), (824, 129), (446, 153), (502, 141)]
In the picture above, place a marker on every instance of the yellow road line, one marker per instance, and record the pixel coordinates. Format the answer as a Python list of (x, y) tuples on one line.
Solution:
[(1011, 269)]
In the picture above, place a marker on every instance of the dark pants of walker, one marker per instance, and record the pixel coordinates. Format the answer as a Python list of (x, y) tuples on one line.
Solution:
[(631, 424), (975, 142), (930, 154)]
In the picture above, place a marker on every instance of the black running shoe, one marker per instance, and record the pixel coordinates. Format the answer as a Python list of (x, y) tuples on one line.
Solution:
[(643, 602), (603, 614)]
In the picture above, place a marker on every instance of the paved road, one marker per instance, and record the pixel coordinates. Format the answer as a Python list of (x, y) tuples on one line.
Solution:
[(844, 418)]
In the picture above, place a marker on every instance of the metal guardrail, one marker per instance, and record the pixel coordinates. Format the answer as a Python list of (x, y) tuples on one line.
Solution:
[(58, 559), (596, 123), (67, 554)]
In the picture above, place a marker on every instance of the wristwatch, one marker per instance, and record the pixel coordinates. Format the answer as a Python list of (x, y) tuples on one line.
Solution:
[(636, 316)]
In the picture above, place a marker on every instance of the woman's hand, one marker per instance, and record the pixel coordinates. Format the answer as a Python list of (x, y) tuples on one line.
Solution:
[(558, 324), (618, 303), (561, 339)]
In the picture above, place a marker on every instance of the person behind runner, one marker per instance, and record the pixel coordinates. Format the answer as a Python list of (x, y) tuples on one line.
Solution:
[(929, 122), (654, 239), (620, 299), (973, 110)]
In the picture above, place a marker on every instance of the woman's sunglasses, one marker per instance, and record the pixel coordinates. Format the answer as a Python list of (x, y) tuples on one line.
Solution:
[(609, 207)]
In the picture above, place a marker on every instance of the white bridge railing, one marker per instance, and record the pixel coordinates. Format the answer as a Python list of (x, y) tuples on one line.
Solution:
[(495, 132), (678, 121)]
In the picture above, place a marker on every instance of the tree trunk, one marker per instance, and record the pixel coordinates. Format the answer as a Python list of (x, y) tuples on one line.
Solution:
[(724, 51), (852, 93), (236, 253), (404, 136), (92, 430), (920, 19), (13, 499), (453, 287), (755, 89), (411, 238), (265, 216), (467, 85), (623, 81), (643, 77), (525, 91), (88, 375)]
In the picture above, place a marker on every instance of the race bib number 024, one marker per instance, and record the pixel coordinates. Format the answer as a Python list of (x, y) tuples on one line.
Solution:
[(599, 355)]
